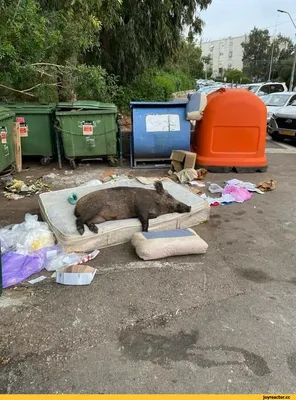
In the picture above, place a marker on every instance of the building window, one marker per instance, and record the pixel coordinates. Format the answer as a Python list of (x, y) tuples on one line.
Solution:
[(230, 54), (221, 54)]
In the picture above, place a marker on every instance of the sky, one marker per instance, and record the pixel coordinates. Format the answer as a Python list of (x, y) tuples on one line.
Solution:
[(225, 18)]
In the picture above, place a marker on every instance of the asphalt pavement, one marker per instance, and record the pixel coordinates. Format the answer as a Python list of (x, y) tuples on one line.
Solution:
[(223, 322)]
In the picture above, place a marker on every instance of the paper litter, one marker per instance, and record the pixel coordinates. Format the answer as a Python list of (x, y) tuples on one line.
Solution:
[(191, 174), (267, 185), (37, 280), (76, 275), (224, 199), (197, 183)]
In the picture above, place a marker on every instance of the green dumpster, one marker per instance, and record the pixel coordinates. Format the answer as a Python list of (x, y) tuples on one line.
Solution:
[(7, 156), (36, 129), (88, 130)]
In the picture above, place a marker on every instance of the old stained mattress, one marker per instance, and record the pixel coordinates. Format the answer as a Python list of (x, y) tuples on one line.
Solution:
[(59, 214)]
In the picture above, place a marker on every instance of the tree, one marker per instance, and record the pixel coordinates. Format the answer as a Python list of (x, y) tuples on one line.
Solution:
[(234, 75), (187, 58), (63, 49), (256, 54), (282, 58), (42, 46), (144, 34)]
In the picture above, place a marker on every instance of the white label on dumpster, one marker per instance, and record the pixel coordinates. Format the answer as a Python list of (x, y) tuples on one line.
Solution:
[(163, 123), (24, 132), (88, 129)]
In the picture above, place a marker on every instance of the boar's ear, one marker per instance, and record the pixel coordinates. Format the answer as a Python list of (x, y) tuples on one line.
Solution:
[(159, 188)]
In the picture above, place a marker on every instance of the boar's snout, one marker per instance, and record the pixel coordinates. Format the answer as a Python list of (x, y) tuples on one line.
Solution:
[(183, 208)]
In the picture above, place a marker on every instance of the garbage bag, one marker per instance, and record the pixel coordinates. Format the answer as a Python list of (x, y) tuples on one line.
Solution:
[(27, 237), (18, 267)]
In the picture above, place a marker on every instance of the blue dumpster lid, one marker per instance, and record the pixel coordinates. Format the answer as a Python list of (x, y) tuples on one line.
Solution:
[(158, 103), (87, 104)]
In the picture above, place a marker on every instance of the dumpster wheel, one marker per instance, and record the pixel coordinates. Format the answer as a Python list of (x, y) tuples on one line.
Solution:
[(45, 161), (113, 162), (72, 163)]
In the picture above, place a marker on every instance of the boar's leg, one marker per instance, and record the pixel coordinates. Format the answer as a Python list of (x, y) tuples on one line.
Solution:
[(144, 219), (91, 223), (80, 225), (92, 226), (145, 222)]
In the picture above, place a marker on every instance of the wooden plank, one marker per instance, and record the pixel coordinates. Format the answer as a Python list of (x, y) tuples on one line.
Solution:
[(17, 146)]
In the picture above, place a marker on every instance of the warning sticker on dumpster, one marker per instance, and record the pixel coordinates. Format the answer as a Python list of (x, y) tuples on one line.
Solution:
[(87, 129), (3, 133), (24, 132), (163, 123)]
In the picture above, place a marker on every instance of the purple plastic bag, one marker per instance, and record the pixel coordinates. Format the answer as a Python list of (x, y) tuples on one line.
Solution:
[(17, 267)]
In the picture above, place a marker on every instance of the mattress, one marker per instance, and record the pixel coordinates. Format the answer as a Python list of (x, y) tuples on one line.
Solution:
[(59, 214)]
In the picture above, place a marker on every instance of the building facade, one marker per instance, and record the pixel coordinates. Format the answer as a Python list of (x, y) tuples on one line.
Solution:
[(224, 54)]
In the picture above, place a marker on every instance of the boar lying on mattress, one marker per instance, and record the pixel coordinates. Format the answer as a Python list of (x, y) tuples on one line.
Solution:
[(123, 203)]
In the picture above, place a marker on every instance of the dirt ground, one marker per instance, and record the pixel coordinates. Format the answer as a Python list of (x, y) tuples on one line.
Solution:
[(223, 322)]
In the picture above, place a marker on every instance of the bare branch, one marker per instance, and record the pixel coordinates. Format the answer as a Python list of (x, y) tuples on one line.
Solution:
[(18, 91), (41, 72), (32, 88), (25, 91), (48, 65)]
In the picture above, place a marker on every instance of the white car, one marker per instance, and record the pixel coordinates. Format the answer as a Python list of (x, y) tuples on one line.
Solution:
[(261, 89), (276, 101)]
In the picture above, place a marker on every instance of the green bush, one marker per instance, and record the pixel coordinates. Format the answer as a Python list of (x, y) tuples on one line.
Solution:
[(154, 85)]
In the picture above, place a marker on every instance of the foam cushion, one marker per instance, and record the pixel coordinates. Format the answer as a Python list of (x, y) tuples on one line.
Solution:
[(157, 245)]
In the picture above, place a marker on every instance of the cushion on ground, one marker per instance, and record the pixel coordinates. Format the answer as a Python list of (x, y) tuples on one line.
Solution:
[(59, 214), (178, 242)]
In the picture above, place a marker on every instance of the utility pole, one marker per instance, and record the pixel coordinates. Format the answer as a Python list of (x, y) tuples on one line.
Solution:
[(272, 51), (294, 61)]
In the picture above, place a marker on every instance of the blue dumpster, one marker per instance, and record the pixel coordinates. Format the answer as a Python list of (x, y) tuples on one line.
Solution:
[(158, 129)]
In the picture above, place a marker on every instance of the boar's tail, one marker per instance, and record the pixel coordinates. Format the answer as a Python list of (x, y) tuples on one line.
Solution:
[(159, 188), (80, 225)]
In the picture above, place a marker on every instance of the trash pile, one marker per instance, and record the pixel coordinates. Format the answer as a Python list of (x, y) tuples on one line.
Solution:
[(16, 189), (236, 191), (30, 247)]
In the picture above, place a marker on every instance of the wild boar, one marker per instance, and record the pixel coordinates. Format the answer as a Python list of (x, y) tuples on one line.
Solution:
[(125, 202)]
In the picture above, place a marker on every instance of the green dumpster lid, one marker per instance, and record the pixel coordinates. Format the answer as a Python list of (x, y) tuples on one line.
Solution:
[(32, 107), (5, 113), (87, 104)]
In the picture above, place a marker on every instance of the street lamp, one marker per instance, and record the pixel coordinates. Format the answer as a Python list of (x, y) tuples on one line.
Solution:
[(294, 62)]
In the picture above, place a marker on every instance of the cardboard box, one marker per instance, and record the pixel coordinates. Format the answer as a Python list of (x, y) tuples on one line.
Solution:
[(76, 275), (182, 160)]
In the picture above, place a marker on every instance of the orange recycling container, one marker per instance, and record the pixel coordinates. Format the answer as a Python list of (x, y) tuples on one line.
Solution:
[(232, 132)]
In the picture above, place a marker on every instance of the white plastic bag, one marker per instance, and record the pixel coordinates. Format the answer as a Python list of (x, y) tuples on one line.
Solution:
[(214, 188), (27, 237)]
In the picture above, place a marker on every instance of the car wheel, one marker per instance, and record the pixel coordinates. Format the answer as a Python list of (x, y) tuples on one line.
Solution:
[(276, 137)]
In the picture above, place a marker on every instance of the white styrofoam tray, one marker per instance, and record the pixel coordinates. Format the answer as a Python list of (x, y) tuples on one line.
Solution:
[(59, 214)]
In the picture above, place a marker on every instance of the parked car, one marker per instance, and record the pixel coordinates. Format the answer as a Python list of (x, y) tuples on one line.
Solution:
[(276, 101), (282, 124), (208, 89), (261, 89)]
